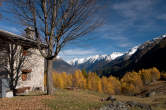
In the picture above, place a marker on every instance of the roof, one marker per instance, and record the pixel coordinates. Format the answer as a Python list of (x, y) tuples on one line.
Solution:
[(20, 40)]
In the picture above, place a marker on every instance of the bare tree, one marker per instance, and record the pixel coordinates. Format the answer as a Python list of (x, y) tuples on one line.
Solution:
[(56, 23), (16, 59)]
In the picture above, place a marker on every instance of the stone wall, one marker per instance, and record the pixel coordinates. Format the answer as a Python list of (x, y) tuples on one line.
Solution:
[(35, 79), (35, 62)]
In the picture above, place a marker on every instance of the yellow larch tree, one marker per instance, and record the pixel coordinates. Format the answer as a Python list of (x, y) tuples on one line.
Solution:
[(155, 73), (104, 84), (115, 84), (78, 79), (146, 76), (132, 79)]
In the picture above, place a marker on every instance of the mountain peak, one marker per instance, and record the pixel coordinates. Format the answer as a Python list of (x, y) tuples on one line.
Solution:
[(114, 55), (92, 59), (132, 50)]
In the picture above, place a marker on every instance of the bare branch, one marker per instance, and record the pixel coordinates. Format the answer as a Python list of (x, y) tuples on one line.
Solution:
[(57, 22)]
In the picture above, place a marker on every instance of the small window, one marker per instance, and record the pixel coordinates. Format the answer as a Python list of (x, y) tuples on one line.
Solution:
[(26, 74), (24, 77), (25, 53)]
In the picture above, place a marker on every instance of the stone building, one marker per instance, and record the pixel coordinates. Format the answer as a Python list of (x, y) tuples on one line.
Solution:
[(32, 76)]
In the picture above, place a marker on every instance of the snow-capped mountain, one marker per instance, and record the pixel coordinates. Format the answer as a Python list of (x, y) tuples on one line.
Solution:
[(97, 62), (93, 59), (106, 58), (132, 51), (147, 55)]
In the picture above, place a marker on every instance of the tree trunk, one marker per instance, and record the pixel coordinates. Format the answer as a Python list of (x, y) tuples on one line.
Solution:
[(14, 92), (13, 89), (50, 87)]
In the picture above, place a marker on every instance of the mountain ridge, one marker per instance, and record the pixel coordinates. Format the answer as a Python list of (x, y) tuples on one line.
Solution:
[(118, 63), (149, 54), (59, 65), (98, 62)]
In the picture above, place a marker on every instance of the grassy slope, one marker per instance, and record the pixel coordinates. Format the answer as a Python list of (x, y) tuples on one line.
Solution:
[(73, 100), (86, 100), (76, 100), (157, 102)]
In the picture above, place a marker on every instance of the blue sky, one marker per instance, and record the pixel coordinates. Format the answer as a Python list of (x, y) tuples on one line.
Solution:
[(127, 23)]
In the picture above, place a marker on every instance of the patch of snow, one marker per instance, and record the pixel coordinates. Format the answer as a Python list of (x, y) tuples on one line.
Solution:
[(114, 55), (133, 50), (163, 36), (159, 37), (92, 59), (77, 61)]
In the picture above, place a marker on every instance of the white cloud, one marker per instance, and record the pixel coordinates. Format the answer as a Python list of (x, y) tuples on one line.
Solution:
[(78, 52), (134, 8), (134, 16), (69, 54), (162, 17), (138, 14), (123, 45)]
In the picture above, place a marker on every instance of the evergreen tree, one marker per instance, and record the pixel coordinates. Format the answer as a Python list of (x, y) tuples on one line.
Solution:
[(84, 73)]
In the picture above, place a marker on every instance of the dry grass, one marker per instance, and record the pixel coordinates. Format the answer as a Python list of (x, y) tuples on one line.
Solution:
[(76, 100), (62, 100), (24, 103), (73, 100)]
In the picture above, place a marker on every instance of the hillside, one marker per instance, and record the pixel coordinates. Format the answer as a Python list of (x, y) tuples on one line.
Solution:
[(60, 66), (150, 54)]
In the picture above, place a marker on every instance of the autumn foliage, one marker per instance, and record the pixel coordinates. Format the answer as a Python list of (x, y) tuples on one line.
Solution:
[(133, 82), (91, 81), (149, 75), (130, 84), (163, 76)]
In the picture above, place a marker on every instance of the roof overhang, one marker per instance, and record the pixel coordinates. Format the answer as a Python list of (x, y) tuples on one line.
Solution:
[(19, 40)]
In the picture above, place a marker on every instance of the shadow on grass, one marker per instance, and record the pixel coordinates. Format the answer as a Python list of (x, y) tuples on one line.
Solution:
[(34, 93)]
